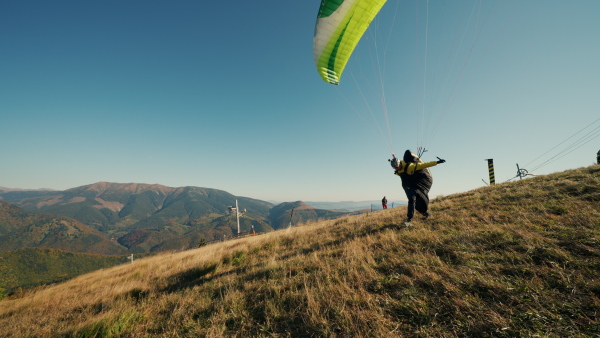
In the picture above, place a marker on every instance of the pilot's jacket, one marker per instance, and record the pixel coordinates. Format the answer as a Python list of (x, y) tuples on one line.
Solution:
[(416, 176)]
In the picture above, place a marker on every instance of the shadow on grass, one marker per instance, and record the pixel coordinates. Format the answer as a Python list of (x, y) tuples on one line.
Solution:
[(207, 273)]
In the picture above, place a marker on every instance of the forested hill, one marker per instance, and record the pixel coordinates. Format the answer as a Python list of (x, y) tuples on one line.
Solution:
[(27, 268), (21, 229)]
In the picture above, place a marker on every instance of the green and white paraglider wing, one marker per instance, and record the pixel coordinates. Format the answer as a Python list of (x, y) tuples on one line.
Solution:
[(340, 25)]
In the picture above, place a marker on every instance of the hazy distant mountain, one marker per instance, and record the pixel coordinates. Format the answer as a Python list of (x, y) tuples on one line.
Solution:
[(145, 217), (21, 229), (3, 189), (11, 195), (282, 214), (354, 206)]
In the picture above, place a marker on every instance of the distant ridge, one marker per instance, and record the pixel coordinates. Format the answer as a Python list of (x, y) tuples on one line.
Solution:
[(302, 213), (152, 217), (3, 189), (354, 205), (134, 188)]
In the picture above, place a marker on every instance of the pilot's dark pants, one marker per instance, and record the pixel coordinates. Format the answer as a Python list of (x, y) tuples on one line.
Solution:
[(417, 199)]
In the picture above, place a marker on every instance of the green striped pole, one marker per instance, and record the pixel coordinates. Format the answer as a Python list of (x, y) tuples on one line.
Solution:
[(491, 169)]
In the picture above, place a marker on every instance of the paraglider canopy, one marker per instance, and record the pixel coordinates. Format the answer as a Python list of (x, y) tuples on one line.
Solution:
[(340, 25)]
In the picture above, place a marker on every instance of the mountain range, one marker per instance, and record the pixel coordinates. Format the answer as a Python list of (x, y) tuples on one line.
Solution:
[(116, 218)]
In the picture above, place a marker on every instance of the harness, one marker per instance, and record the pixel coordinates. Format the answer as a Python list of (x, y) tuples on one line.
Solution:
[(418, 180)]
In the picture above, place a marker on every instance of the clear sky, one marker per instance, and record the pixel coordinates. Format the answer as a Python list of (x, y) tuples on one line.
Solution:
[(225, 95)]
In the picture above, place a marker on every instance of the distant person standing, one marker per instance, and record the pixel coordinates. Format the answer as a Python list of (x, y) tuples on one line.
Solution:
[(384, 202)]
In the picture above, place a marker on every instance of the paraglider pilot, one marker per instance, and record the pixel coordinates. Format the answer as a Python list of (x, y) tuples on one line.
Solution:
[(416, 181), (384, 202)]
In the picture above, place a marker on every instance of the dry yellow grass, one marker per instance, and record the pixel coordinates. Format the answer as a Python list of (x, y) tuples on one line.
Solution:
[(517, 259)]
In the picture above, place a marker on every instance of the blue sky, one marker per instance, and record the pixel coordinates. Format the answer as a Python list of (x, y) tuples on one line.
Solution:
[(226, 95)]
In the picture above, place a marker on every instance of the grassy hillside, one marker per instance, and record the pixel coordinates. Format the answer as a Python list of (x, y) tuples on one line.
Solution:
[(518, 259)]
